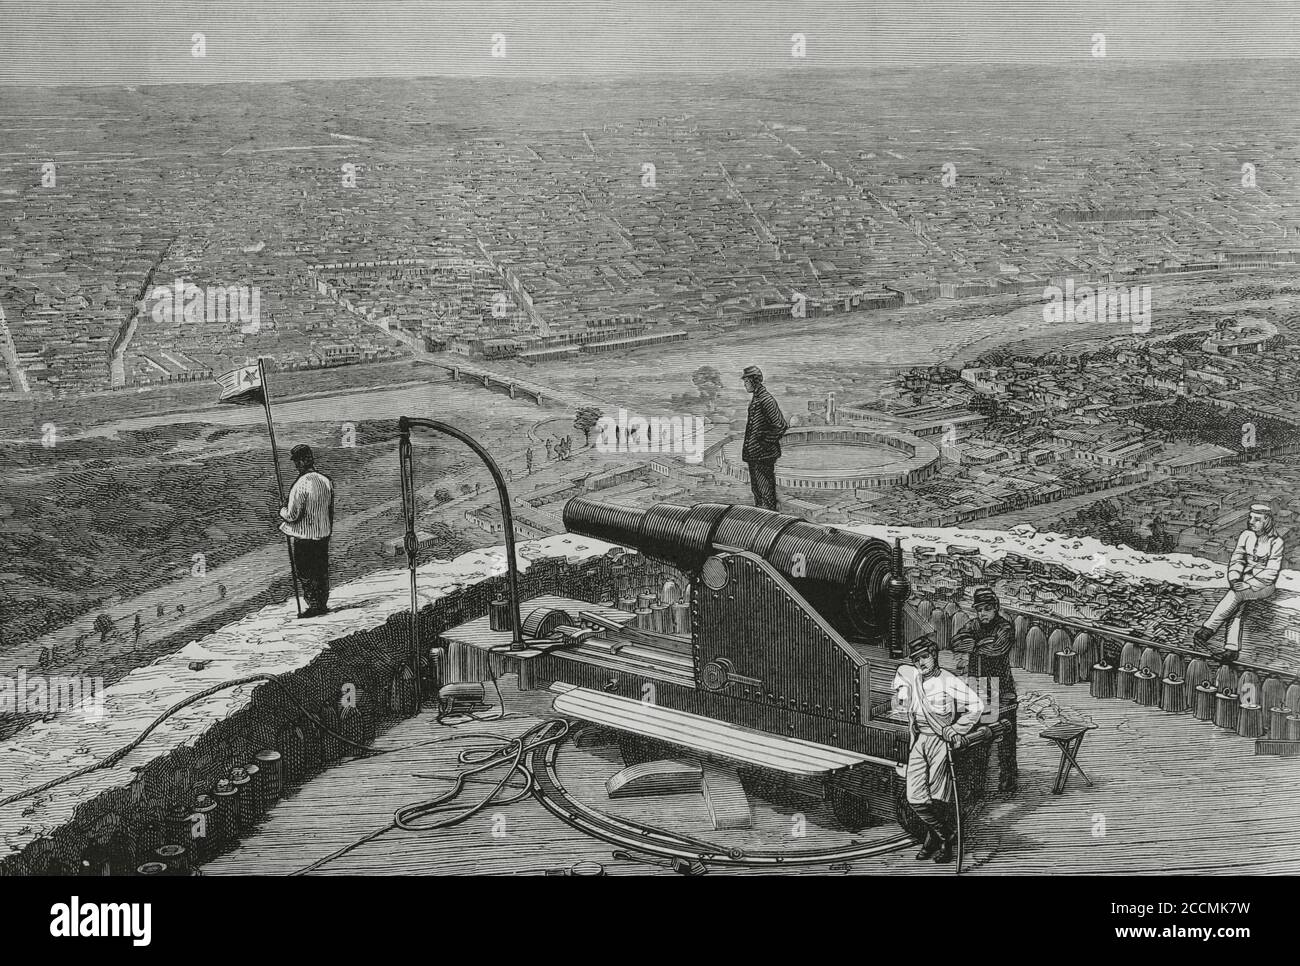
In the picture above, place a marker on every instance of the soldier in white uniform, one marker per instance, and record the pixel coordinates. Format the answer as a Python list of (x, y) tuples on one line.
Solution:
[(1252, 575), (941, 710), (309, 520)]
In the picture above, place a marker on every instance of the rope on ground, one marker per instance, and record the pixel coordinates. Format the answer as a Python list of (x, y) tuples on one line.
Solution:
[(509, 751)]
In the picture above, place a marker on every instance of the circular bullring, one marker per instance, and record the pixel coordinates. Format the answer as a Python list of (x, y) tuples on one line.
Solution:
[(1248, 335), (843, 458)]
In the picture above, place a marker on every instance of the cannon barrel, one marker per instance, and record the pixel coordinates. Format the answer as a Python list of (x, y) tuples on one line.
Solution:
[(847, 577)]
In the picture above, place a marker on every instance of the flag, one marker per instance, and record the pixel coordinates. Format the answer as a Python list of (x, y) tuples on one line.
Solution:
[(241, 385)]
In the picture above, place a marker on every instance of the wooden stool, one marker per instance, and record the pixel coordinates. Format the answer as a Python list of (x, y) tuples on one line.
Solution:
[(1124, 685), (1065, 669), (1173, 695), (1102, 682), (1068, 736), (1203, 706), (1146, 688), (1226, 709), (1250, 721)]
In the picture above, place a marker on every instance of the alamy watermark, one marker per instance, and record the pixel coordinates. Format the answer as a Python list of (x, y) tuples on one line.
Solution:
[(48, 694), (942, 700), (211, 305), (1117, 305), (682, 435)]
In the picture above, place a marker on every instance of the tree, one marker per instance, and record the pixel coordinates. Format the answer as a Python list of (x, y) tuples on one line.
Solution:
[(586, 420), (104, 625), (442, 495), (709, 382)]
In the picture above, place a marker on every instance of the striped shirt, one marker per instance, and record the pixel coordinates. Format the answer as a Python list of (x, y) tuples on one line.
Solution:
[(310, 513)]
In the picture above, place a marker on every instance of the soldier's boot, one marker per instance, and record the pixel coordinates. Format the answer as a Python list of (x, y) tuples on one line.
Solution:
[(947, 831), (933, 830)]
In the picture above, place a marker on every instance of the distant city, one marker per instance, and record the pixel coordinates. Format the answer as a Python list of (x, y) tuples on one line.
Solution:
[(371, 226), (1080, 313)]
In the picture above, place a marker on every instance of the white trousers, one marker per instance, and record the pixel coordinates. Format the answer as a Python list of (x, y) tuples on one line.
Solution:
[(1228, 607), (928, 775)]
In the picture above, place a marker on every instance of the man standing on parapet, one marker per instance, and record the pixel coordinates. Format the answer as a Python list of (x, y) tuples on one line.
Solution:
[(941, 710), (988, 640), (764, 428), (309, 521), (1252, 575)]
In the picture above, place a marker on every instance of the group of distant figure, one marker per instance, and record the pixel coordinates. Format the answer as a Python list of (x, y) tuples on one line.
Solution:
[(559, 448)]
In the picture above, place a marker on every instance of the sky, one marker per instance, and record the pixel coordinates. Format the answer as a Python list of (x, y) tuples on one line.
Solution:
[(135, 42)]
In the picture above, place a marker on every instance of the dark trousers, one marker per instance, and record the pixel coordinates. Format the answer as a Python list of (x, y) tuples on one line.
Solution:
[(312, 559), (1008, 769), (762, 480)]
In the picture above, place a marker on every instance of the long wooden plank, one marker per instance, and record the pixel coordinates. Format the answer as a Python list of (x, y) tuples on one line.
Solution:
[(675, 733), (733, 742)]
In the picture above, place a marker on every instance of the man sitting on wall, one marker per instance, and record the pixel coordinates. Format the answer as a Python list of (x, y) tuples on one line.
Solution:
[(1252, 575)]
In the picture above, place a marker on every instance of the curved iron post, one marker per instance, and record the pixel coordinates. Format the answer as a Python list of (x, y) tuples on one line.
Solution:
[(404, 425)]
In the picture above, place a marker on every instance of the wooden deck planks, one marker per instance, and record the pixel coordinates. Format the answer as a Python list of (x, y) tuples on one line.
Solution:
[(1178, 797)]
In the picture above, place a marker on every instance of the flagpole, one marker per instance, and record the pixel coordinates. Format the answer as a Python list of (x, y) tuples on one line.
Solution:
[(279, 480)]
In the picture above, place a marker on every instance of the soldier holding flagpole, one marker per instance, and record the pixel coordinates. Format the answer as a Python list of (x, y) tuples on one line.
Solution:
[(309, 520), (248, 385)]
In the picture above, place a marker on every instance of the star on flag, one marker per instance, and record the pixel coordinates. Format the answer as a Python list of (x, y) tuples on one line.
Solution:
[(242, 385)]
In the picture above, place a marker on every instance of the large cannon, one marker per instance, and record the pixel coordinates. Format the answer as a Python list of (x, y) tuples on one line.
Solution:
[(782, 663), (855, 583)]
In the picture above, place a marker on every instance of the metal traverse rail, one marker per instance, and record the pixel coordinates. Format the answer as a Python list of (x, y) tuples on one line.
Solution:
[(550, 791)]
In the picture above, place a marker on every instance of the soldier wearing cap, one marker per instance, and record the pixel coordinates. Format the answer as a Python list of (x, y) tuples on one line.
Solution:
[(308, 519), (988, 639), (941, 710), (764, 428), (1252, 575)]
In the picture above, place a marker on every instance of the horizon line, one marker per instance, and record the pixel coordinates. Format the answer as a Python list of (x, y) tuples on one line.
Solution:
[(517, 72)]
